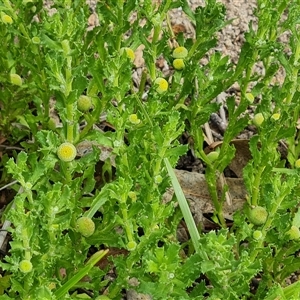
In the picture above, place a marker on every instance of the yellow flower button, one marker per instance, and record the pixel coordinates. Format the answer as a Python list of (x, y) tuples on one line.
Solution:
[(66, 152), (161, 85), (180, 52), (6, 19)]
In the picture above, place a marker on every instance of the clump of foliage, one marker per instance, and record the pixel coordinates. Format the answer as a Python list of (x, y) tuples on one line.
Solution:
[(58, 80)]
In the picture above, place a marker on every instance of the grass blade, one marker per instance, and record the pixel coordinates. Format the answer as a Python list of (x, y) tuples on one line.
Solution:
[(185, 209)]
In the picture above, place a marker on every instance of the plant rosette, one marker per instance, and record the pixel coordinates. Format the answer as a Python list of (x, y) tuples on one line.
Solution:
[(258, 215), (66, 152), (85, 226), (161, 85)]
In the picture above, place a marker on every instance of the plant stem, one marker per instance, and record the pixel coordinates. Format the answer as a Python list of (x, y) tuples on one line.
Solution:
[(255, 190)]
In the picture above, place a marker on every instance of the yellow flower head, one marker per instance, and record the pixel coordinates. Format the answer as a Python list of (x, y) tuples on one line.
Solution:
[(250, 97), (16, 79), (178, 64), (294, 233), (132, 196), (133, 118), (275, 116), (161, 85), (258, 119), (158, 179), (257, 235), (131, 245), (129, 52), (66, 152), (6, 19), (180, 52), (297, 163), (25, 266)]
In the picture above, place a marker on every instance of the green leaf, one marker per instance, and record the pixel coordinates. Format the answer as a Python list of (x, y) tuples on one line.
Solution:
[(61, 292), (50, 43), (186, 212), (4, 284), (296, 219)]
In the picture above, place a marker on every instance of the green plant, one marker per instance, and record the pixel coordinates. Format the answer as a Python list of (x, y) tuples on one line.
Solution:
[(58, 80)]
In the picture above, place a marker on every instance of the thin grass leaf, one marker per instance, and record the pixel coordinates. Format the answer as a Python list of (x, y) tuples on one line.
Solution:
[(186, 212)]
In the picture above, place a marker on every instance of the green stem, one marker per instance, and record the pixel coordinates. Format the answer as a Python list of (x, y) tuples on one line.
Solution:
[(194, 48), (157, 30), (256, 184), (143, 82), (120, 27), (267, 225), (70, 122), (211, 179), (127, 224)]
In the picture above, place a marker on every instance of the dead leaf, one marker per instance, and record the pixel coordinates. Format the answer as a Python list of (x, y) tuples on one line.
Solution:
[(195, 189), (241, 158), (139, 60)]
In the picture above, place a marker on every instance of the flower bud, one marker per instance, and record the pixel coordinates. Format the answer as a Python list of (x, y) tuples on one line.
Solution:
[(213, 156), (257, 235), (297, 163), (258, 215), (85, 226), (52, 124), (84, 103), (161, 85), (36, 40), (133, 118), (178, 64), (275, 116), (131, 245), (66, 152), (180, 52), (25, 266), (6, 19), (132, 196), (157, 179), (258, 119), (249, 97), (294, 233), (16, 79), (129, 52)]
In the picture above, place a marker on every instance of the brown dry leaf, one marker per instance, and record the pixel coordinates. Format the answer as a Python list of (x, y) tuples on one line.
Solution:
[(241, 158), (139, 60), (195, 189), (86, 147), (160, 62), (177, 28)]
